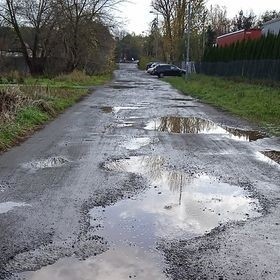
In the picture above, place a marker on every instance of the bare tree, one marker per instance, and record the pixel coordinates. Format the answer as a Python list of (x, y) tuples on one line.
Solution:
[(37, 16)]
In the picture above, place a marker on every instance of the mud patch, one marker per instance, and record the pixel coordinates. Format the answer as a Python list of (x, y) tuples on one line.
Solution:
[(194, 125), (46, 163), (10, 205), (273, 155)]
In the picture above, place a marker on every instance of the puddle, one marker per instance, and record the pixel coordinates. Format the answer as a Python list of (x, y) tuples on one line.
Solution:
[(118, 264), (268, 157), (272, 155), (180, 206), (46, 163), (117, 109), (122, 87), (126, 124), (8, 206), (137, 143), (107, 109), (194, 125), (182, 99), (176, 205)]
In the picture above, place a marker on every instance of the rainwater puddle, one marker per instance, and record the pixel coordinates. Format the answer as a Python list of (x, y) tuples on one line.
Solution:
[(46, 163), (137, 143), (116, 86), (117, 109), (194, 125), (177, 205), (273, 155), (268, 157), (116, 264), (8, 206), (107, 109)]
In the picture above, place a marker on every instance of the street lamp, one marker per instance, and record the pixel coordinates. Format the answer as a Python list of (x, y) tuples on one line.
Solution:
[(156, 38)]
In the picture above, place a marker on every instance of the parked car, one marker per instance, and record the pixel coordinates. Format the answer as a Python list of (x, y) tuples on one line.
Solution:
[(151, 69), (162, 70)]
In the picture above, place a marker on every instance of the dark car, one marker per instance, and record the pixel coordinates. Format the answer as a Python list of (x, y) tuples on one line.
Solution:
[(162, 70)]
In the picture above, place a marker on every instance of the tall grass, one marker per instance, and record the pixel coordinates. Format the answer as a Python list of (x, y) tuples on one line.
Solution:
[(257, 103), (24, 107)]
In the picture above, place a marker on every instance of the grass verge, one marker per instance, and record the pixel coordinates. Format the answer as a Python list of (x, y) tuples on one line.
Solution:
[(257, 103), (25, 108)]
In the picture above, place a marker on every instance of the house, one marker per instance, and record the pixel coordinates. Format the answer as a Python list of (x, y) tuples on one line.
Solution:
[(240, 35), (272, 27)]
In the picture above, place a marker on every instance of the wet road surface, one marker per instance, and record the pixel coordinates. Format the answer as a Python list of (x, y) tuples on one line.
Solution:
[(140, 182)]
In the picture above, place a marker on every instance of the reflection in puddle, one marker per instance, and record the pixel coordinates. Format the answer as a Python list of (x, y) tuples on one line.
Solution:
[(137, 143), (181, 205), (271, 160), (117, 109), (118, 264), (273, 155), (107, 109), (8, 206), (46, 163), (196, 125)]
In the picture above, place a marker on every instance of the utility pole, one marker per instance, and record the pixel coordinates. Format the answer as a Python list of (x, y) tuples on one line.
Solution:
[(157, 30), (188, 38)]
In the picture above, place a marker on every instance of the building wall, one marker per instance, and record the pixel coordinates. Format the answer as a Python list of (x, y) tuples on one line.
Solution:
[(272, 26)]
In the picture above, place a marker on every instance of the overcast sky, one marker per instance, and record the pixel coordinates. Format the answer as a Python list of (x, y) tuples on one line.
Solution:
[(136, 13)]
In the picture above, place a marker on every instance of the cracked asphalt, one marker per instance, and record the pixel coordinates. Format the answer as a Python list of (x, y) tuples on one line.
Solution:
[(140, 181)]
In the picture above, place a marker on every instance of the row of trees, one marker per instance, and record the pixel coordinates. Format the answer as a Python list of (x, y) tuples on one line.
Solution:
[(62, 35), (267, 47), (168, 37)]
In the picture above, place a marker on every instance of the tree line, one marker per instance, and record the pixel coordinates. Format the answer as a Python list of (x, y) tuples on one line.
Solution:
[(61, 35), (167, 38), (266, 47)]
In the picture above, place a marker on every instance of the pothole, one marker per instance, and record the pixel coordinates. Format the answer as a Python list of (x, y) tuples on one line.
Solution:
[(107, 109), (10, 205), (137, 143), (268, 157), (122, 87), (194, 125), (120, 264), (46, 163), (273, 155), (177, 205), (120, 108)]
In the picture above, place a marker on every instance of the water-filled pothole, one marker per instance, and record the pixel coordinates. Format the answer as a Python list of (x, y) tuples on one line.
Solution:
[(118, 264), (46, 163), (273, 155), (10, 205), (177, 204), (194, 125), (137, 143)]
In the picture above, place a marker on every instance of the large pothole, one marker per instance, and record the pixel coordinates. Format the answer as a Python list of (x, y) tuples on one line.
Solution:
[(194, 125), (177, 205)]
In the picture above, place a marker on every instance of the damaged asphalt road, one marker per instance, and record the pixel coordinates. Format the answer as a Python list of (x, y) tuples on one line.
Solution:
[(140, 182)]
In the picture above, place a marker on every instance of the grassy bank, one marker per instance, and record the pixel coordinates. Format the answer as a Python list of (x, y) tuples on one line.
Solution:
[(257, 103), (27, 106)]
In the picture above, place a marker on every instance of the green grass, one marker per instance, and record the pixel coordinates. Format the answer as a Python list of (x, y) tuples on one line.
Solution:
[(257, 103), (46, 99)]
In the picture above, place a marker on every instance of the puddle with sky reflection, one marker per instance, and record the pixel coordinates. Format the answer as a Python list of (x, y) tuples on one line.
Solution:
[(176, 205), (194, 125)]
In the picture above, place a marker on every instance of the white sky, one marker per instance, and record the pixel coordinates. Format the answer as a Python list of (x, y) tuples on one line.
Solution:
[(136, 13)]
